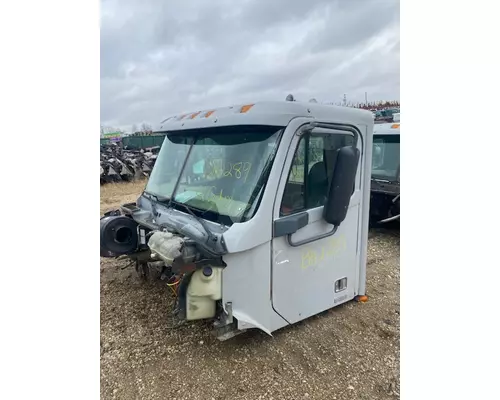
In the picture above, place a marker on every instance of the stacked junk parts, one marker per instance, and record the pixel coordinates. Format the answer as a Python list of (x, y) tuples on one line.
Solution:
[(121, 164)]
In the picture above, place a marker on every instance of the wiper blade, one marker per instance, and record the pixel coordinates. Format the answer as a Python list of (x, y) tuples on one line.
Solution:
[(155, 197), (164, 199), (202, 222)]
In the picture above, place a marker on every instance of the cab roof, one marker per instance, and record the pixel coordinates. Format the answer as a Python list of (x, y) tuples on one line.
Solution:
[(391, 128), (276, 113)]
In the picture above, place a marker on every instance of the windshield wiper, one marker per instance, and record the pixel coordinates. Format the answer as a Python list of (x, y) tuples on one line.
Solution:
[(202, 222), (156, 199), (164, 200)]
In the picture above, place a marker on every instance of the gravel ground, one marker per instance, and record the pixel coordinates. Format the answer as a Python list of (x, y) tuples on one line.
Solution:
[(349, 352)]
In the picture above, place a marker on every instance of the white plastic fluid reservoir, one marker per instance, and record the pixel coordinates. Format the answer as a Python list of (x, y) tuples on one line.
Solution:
[(204, 289), (166, 245)]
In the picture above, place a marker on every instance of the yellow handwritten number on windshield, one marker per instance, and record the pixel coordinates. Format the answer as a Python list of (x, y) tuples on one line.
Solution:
[(236, 170)]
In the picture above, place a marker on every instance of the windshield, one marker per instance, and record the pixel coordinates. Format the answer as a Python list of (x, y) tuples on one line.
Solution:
[(219, 173), (385, 161)]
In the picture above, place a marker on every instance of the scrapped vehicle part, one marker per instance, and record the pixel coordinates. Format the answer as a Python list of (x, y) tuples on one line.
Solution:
[(256, 214), (121, 164), (118, 235), (385, 183), (165, 245)]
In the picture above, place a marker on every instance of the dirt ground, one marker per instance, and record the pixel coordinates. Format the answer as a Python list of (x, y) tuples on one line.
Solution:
[(349, 352)]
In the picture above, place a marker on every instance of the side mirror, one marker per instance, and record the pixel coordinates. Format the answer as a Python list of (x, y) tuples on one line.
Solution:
[(343, 180)]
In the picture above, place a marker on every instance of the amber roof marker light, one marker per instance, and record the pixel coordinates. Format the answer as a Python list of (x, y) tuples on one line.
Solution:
[(245, 108)]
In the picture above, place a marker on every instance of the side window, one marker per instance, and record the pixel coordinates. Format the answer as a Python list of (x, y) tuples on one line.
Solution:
[(293, 198), (311, 171)]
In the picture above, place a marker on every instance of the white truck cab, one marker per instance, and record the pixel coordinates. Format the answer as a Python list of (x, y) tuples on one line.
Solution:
[(258, 212)]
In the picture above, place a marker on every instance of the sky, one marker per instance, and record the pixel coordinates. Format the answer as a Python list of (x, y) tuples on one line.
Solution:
[(164, 57)]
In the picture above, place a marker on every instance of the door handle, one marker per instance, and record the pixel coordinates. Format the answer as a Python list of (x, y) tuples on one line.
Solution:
[(309, 240)]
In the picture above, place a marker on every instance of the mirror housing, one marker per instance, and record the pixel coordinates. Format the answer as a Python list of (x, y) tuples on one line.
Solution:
[(341, 188)]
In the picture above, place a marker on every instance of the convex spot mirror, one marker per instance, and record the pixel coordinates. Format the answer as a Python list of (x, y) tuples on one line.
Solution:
[(343, 180)]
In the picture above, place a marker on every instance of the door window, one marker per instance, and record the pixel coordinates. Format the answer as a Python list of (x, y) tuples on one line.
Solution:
[(311, 171)]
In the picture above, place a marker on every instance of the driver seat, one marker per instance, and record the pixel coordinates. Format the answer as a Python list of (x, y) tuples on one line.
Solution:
[(317, 185)]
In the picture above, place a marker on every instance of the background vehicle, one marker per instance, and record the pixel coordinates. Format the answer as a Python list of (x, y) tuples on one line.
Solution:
[(385, 184), (385, 115)]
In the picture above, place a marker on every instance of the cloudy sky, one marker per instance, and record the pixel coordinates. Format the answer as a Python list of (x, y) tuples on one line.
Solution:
[(164, 57)]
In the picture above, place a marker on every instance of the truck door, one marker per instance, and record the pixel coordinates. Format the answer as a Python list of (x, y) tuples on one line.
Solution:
[(311, 274)]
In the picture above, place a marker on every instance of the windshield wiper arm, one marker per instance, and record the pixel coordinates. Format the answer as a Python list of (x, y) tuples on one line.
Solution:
[(202, 222), (164, 199), (155, 200), (155, 197)]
